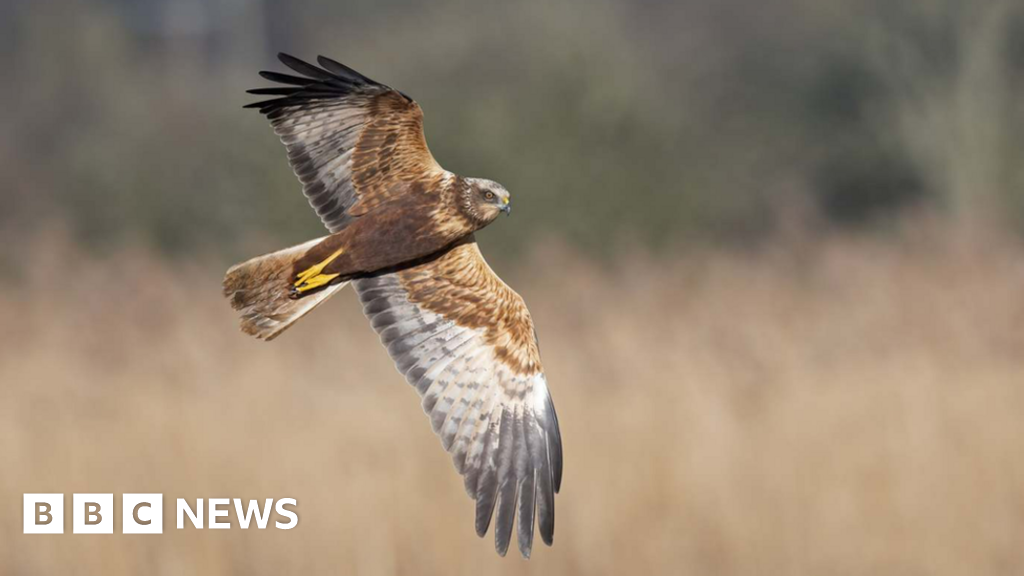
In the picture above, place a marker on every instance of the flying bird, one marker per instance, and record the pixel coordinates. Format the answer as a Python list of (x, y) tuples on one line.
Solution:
[(401, 233)]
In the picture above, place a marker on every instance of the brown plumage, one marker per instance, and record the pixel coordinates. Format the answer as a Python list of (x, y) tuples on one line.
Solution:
[(402, 233)]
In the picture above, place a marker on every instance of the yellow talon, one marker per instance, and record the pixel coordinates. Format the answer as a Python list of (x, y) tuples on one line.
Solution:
[(314, 270), (314, 282), (311, 277)]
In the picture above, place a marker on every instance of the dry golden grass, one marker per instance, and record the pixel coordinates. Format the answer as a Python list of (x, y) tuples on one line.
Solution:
[(849, 407)]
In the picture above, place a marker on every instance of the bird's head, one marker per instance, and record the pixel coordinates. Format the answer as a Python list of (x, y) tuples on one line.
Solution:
[(483, 200)]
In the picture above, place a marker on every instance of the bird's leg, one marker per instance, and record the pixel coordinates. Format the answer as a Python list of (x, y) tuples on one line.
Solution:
[(312, 278)]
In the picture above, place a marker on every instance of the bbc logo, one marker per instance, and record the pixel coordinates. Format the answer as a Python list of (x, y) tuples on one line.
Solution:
[(144, 513), (94, 513)]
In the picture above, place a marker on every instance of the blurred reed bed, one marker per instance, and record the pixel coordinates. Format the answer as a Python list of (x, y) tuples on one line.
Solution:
[(843, 406)]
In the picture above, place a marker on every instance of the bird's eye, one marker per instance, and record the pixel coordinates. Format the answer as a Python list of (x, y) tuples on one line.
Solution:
[(489, 195)]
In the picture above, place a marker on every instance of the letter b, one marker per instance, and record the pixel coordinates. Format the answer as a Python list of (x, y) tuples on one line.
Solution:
[(43, 514), (93, 514), (43, 511)]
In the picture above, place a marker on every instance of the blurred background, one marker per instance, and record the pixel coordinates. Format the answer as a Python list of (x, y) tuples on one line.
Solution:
[(773, 251)]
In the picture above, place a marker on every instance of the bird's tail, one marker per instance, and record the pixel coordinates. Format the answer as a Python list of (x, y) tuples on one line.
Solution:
[(263, 290)]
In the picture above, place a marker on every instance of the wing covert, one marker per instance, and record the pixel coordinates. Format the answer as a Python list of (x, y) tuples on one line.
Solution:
[(466, 342)]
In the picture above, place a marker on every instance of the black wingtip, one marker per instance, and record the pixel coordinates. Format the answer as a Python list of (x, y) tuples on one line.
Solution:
[(328, 63), (305, 68), (342, 71), (485, 508), (313, 82), (525, 544), (288, 59), (275, 91), (286, 78), (501, 547), (556, 446)]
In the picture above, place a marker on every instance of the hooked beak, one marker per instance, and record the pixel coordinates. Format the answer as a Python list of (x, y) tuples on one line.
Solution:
[(506, 207)]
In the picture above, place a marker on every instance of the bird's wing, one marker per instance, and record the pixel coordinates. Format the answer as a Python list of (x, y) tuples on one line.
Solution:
[(353, 143), (466, 342)]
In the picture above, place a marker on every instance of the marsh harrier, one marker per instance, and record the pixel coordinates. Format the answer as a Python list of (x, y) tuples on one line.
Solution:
[(401, 232)]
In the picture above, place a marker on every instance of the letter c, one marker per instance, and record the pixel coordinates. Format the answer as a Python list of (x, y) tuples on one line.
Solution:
[(135, 514)]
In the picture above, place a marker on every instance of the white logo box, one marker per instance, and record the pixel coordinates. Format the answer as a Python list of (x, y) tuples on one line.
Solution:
[(93, 513)]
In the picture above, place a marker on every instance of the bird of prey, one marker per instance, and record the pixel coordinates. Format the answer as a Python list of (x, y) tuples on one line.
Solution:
[(401, 233)]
